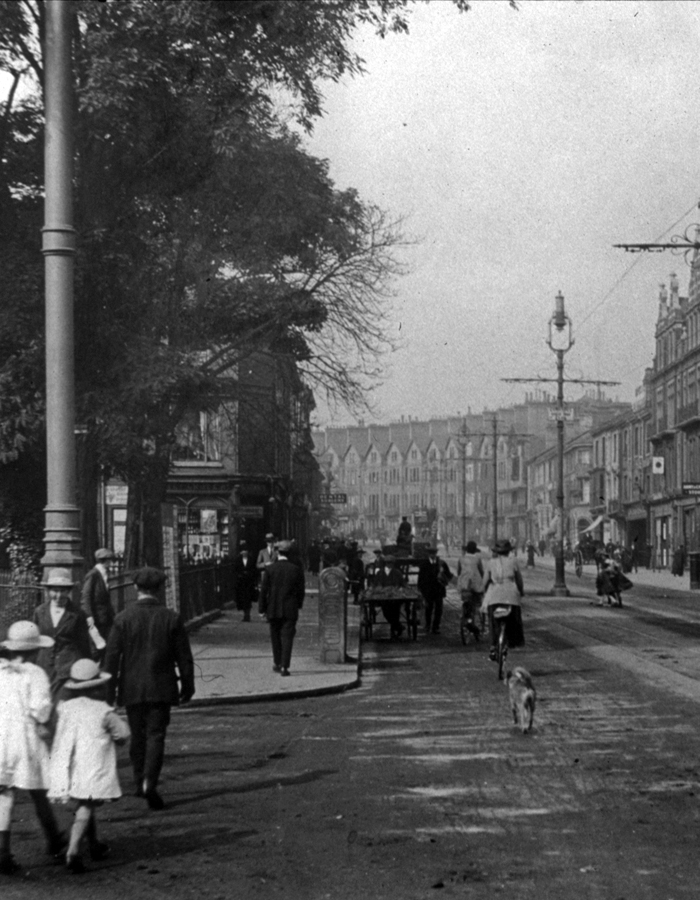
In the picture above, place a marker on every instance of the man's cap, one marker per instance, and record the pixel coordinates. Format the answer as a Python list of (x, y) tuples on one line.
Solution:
[(149, 578), (59, 578), (269, 536), (25, 635), (284, 546), (103, 553), (389, 559)]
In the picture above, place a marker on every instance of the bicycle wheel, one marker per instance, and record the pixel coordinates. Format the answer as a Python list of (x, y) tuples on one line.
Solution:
[(502, 649)]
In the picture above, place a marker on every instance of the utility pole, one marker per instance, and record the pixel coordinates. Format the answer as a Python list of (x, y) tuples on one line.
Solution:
[(560, 341), (62, 517), (494, 434)]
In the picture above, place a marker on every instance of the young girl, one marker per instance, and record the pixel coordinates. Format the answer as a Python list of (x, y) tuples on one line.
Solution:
[(84, 758), (25, 710)]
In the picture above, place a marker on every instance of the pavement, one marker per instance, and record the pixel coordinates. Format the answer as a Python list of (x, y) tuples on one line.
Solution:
[(661, 579), (233, 659)]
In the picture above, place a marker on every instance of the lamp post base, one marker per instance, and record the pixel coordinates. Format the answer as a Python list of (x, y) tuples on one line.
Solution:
[(560, 590)]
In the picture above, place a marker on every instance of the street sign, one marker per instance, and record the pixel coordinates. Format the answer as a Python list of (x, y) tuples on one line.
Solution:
[(692, 488), (333, 498), (563, 415)]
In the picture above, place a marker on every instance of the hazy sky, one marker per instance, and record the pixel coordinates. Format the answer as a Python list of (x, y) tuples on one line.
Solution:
[(522, 145)]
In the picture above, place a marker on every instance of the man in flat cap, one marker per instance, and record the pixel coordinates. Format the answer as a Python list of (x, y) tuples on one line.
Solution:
[(94, 596), (281, 597), (148, 649), (267, 555)]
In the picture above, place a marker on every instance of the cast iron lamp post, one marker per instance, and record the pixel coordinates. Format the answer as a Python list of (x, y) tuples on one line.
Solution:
[(560, 341), (62, 516)]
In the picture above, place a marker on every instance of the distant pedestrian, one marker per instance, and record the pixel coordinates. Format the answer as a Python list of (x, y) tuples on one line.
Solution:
[(267, 555), (94, 597), (530, 551), (26, 705), (314, 558), (281, 597), (83, 757), (61, 619), (433, 577), (542, 546), (678, 564), (245, 576), (148, 649)]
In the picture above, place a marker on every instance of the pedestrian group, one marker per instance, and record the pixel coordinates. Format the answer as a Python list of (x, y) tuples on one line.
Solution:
[(58, 726)]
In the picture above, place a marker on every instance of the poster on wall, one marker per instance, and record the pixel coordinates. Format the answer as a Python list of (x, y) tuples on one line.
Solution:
[(208, 521)]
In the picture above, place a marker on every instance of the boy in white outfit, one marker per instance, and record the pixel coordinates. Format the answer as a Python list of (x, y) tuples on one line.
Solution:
[(25, 711), (84, 758)]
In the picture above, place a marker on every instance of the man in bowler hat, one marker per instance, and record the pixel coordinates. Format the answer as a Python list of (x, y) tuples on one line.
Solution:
[(281, 597), (148, 649)]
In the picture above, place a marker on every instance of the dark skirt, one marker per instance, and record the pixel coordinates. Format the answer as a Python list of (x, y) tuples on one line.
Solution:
[(515, 634)]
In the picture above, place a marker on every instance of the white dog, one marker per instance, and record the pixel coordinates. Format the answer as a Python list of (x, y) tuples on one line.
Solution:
[(521, 691)]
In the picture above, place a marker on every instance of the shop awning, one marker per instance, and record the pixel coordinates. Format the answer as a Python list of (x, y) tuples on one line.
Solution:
[(594, 524)]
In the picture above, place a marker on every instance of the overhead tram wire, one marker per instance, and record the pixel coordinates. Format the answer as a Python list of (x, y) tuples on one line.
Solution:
[(585, 318)]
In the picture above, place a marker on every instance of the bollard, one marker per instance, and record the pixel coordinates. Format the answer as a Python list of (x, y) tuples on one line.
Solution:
[(332, 615)]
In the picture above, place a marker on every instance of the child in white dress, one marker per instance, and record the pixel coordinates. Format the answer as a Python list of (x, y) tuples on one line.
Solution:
[(84, 758), (25, 711)]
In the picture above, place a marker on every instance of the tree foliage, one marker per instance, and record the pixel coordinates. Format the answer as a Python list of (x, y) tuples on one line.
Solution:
[(206, 231)]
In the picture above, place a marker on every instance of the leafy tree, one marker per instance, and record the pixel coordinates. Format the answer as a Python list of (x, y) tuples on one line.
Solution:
[(206, 231)]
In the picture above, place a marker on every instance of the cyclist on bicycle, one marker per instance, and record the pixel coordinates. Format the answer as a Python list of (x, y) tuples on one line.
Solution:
[(470, 581), (504, 587)]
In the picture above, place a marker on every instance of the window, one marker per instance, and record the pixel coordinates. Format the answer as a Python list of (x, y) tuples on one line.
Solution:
[(393, 456), (414, 454)]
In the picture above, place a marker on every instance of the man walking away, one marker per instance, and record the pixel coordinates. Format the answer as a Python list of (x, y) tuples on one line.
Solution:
[(281, 598), (147, 649)]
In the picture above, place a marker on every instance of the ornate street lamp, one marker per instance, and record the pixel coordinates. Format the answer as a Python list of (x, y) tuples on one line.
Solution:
[(560, 341)]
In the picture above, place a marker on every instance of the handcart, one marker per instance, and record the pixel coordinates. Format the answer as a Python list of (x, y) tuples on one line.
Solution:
[(409, 599)]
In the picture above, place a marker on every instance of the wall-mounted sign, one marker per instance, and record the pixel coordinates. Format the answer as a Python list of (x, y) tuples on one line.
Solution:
[(333, 498), (116, 494), (248, 512), (692, 488), (657, 465)]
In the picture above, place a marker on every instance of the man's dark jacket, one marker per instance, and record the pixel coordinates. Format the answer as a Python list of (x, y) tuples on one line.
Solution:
[(433, 576), (282, 591), (147, 643), (95, 602), (72, 641)]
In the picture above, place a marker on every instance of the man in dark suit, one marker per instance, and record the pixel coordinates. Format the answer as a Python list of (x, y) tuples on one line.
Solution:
[(58, 617), (281, 597), (94, 597), (433, 577), (147, 649), (245, 576)]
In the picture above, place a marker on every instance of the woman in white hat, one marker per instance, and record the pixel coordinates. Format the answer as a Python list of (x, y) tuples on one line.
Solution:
[(25, 711), (60, 618), (84, 758)]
